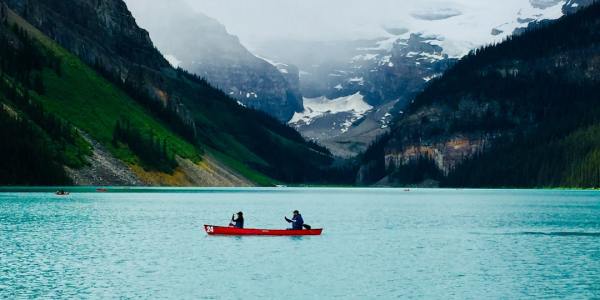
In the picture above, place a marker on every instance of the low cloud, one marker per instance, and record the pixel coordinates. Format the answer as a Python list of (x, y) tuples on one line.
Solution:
[(433, 14), (257, 22)]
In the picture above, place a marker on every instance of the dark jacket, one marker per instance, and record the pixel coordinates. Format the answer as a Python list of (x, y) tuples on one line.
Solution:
[(296, 221), (238, 223)]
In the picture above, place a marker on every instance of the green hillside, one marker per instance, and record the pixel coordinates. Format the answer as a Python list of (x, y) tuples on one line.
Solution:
[(91, 103), (72, 92), (98, 75)]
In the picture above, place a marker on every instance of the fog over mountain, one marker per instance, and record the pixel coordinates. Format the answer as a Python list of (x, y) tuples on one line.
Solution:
[(378, 54), (258, 21), (199, 44)]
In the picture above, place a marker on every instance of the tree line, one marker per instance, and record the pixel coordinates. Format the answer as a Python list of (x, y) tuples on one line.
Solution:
[(153, 152), (36, 143), (537, 92)]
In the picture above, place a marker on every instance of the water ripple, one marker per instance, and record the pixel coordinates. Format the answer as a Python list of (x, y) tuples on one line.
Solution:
[(378, 244), (561, 233)]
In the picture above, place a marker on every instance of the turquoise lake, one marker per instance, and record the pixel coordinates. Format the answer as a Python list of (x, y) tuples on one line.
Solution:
[(377, 243)]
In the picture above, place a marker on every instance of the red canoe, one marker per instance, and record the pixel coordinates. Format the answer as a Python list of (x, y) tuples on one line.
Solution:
[(220, 230)]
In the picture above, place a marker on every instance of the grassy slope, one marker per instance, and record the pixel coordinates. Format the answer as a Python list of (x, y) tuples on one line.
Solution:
[(83, 97), (94, 105), (252, 175), (74, 154)]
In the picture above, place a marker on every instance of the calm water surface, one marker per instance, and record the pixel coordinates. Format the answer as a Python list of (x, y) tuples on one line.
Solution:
[(380, 243)]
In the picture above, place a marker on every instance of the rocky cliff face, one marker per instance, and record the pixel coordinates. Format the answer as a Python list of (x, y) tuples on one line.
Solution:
[(104, 34), (430, 132), (201, 45), (253, 82), (97, 31)]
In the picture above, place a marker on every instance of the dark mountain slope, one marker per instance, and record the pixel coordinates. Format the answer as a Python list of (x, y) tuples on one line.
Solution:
[(97, 31), (35, 144), (32, 158), (521, 113), (104, 35), (202, 45), (56, 97)]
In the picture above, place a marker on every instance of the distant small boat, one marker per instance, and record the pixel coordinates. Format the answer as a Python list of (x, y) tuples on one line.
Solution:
[(221, 230), (101, 190), (62, 193)]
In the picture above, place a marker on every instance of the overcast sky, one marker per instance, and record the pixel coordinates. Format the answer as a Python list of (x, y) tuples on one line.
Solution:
[(313, 19), (257, 21), (302, 19)]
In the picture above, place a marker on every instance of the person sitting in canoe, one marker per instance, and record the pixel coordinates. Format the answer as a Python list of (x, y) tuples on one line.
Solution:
[(297, 221), (62, 193), (237, 222)]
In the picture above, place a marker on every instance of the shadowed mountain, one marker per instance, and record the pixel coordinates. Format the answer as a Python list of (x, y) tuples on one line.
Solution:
[(167, 102), (391, 70), (522, 113), (201, 45)]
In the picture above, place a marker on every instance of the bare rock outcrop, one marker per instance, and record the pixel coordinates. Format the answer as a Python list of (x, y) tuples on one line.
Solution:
[(103, 169)]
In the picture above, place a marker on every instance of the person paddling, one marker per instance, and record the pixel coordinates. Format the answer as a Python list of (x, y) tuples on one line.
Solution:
[(237, 222), (62, 193), (297, 221)]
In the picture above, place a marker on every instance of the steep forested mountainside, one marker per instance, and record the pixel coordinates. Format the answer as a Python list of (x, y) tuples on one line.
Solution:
[(201, 45), (59, 112), (36, 144), (522, 113), (146, 104)]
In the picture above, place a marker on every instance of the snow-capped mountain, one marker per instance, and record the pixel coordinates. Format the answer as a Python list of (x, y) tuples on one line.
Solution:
[(344, 112), (397, 66), (202, 45)]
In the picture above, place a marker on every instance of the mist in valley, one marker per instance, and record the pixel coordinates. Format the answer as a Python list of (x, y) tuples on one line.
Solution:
[(301, 61)]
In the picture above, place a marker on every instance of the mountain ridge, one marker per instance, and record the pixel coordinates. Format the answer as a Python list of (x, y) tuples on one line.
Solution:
[(211, 123), (202, 45), (72, 91), (504, 115), (398, 65)]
